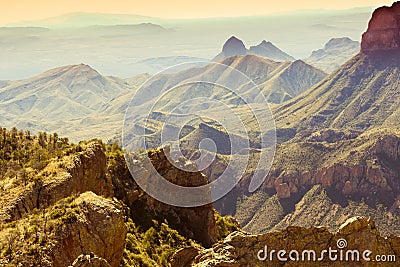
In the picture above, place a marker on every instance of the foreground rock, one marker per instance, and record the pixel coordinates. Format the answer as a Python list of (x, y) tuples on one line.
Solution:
[(196, 223), (88, 225), (78, 173), (99, 229), (242, 249)]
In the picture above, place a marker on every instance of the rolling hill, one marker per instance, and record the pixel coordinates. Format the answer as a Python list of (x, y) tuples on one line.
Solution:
[(78, 101), (58, 99)]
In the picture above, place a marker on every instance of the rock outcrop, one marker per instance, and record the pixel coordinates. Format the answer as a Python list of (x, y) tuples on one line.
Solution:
[(184, 257), (327, 135), (383, 30), (357, 234), (196, 223), (232, 47), (372, 176), (99, 229), (86, 171), (87, 230)]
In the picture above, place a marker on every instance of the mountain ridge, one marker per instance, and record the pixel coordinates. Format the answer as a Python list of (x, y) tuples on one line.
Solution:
[(334, 54), (235, 47)]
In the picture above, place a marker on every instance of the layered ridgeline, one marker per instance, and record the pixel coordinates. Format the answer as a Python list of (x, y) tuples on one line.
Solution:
[(67, 100), (59, 99), (78, 102), (235, 47), (278, 82), (335, 52)]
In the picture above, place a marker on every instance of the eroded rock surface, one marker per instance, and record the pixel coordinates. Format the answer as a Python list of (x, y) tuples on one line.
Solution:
[(86, 171), (383, 30), (241, 249)]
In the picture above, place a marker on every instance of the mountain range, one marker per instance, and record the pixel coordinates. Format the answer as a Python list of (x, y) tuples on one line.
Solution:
[(95, 104)]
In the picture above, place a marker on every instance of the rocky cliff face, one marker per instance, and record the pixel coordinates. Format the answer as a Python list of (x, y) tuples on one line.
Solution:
[(99, 229), (241, 249), (375, 175), (383, 30), (75, 174), (196, 223), (233, 47), (356, 173), (57, 236)]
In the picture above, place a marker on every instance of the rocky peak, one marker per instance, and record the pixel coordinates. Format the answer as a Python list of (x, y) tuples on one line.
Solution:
[(383, 32), (340, 42), (74, 70), (264, 43), (269, 50), (234, 47), (239, 248), (196, 223), (78, 173)]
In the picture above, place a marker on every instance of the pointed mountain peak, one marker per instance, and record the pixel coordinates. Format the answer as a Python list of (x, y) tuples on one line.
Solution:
[(79, 70), (383, 30), (233, 39), (303, 66), (264, 42), (269, 50), (81, 67), (299, 62), (234, 47)]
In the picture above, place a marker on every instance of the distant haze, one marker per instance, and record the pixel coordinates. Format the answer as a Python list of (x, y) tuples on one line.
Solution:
[(21, 10), (121, 44)]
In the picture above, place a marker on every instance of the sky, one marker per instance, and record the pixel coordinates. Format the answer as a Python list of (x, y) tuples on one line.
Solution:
[(14, 11)]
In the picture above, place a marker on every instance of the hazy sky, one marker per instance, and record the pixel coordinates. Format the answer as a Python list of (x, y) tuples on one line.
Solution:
[(21, 10)]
